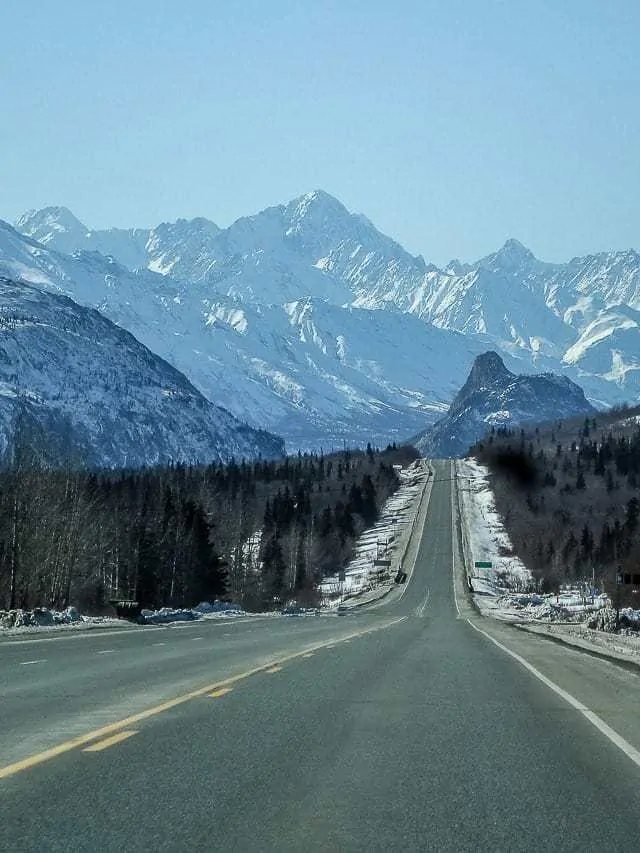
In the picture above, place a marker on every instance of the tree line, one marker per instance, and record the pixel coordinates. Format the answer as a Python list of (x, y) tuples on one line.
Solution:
[(569, 495), (258, 533)]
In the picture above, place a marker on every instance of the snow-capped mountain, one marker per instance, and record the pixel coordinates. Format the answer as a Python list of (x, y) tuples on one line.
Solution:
[(313, 246), (185, 242), (316, 373), (96, 390), (492, 396), (221, 311)]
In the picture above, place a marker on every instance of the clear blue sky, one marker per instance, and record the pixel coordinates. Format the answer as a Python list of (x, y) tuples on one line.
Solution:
[(452, 124)]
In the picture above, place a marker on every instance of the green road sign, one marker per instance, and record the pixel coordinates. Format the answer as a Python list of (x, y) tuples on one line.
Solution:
[(483, 565)]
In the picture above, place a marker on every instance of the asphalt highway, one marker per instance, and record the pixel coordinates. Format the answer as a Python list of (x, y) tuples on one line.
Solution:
[(401, 727)]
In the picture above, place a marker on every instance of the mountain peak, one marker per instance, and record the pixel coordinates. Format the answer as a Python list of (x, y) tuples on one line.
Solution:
[(51, 224), (316, 203), (57, 216), (492, 396), (513, 246), (199, 225), (488, 368), (512, 256)]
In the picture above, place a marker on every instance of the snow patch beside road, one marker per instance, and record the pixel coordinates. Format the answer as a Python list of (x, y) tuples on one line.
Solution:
[(20, 621), (580, 617), (362, 579), (40, 619), (488, 541), (505, 588)]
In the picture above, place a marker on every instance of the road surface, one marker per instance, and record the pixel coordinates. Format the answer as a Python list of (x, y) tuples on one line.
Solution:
[(398, 728)]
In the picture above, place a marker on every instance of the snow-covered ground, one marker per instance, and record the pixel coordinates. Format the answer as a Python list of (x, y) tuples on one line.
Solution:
[(16, 622), (386, 541), (506, 590), (486, 540), (204, 610)]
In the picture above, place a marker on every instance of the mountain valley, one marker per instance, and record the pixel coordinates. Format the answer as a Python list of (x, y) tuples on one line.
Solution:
[(307, 321)]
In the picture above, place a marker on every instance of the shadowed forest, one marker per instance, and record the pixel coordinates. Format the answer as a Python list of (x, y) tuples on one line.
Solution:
[(569, 495), (259, 534)]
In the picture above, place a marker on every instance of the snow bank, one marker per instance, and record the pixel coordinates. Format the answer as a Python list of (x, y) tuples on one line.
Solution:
[(38, 617), (385, 541), (204, 610), (487, 539), (41, 618), (504, 590)]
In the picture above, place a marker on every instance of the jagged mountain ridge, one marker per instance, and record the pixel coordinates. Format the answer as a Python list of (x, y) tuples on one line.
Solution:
[(492, 396), (313, 246), (158, 249), (93, 387), (316, 373), (224, 303)]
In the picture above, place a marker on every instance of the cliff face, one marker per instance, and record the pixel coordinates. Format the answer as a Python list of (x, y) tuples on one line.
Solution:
[(492, 396)]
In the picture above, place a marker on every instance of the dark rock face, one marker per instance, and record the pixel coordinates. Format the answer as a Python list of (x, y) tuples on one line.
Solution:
[(492, 396), (77, 389)]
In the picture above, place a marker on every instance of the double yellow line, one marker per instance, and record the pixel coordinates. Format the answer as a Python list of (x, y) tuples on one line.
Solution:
[(116, 728)]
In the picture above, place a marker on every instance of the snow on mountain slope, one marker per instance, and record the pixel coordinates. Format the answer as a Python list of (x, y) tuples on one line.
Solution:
[(186, 242), (313, 246), (539, 315), (611, 277), (55, 227), (314, 372), (77, 371), (492, 396), (183, 242), (609, 347)]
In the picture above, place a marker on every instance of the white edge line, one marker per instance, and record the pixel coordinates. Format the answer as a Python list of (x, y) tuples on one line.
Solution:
[(629, 750), (29, 662), (622, 744)]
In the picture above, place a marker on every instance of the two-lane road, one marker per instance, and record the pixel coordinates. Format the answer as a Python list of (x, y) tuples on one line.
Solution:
[(400, 728)]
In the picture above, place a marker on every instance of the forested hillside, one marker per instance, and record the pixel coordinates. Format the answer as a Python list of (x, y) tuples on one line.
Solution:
[(569, 494), (258, 533)]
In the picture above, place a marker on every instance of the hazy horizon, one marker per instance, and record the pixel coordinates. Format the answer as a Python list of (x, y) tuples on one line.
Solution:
[(452, 127)]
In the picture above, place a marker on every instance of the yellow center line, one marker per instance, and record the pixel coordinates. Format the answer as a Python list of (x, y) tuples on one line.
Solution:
[(111, 728), (110, 741), (222, 691)]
